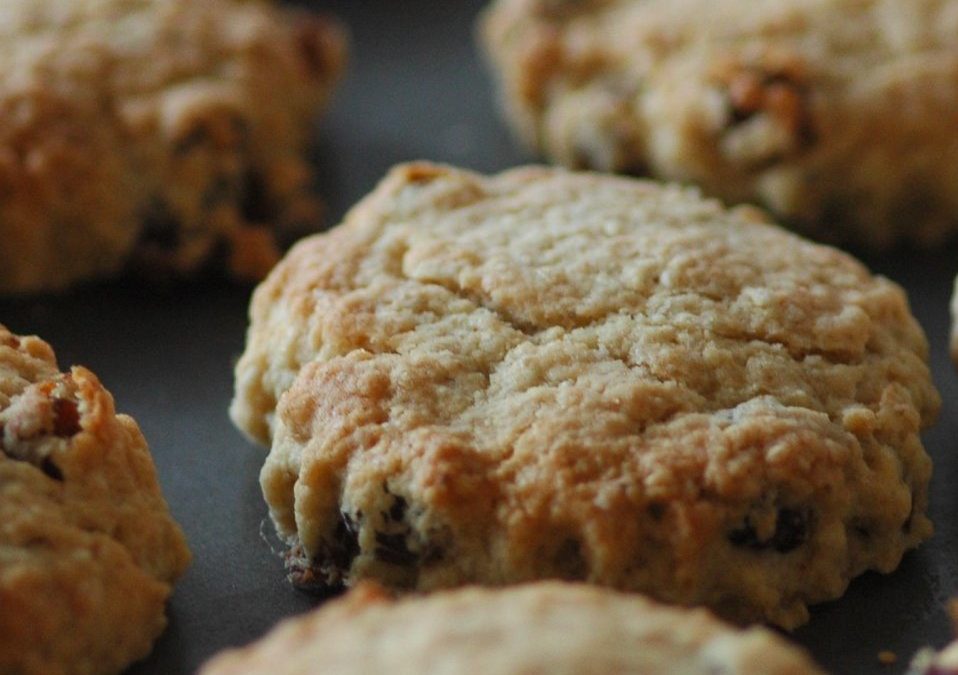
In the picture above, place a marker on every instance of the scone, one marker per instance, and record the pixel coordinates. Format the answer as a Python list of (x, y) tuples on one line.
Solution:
[(836, 115), (547, 374), (548, 627), (88, 550), (929, 662), (156, 134)]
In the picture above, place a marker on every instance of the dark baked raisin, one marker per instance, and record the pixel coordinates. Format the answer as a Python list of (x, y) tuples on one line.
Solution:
[(255, 202), (345, 545), (656, 510), (392, 549), (432, 555), (791, 531), (161, 227), (397, 512), (310, 576), (570, 561), (50, 469), (66, 418)]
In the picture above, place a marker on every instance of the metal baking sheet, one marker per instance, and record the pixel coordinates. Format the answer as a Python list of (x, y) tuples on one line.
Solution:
[(416, 89)]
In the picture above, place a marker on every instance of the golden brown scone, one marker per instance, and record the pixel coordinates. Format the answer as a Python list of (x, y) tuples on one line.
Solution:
[(550, 374), (547, 627), (157, 134), (837, 115), (88, 550)]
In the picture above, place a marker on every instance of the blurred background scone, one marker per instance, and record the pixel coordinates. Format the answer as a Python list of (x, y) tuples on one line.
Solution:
[(538, 628), (155, 133), (88, 550), (838, 116)]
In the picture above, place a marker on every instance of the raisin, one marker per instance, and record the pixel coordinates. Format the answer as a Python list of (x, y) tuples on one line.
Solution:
[(570, 561), (256, 204), (161, 227), (345, 546), (66, 418), (392, 549), (791, 531), (777, 90), (397, 512), (432, 555), (656, 510), (48, 467), (310, 577)]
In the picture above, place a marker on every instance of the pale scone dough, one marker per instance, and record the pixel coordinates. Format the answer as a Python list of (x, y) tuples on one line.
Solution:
[(547, 627)]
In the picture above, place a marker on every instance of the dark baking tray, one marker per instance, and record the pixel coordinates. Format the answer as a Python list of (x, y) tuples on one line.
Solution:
[(416, 88)]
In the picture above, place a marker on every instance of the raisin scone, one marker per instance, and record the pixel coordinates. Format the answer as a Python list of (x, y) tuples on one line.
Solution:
[(945, 662), (836, 115), (550, 374), (547, 627), (156, 134), (88, 550)]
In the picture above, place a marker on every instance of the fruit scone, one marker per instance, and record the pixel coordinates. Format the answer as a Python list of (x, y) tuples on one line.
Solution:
[(839, 116), (164, 134), (547, 627), (88, 550), (552, 374)]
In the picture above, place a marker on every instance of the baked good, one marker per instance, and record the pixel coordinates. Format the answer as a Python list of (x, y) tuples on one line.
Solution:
[(836, 115), (550, 374), (88, 550), (155, 134), (546, 627), (929, 662)]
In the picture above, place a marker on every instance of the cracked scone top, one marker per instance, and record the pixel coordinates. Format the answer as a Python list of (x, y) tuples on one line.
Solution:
[(157, 134), (549, 374), (88, 550), (837, 115), (547, 627)]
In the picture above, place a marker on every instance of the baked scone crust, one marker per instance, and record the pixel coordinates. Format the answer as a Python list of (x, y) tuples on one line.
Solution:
[(548, 627), (836, 115), (88, 550), (549, 374), (155, 134)]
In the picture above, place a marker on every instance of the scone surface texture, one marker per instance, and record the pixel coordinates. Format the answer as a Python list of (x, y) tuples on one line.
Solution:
[(839, 116), (547, 627), (547, 374), (88, 550), (160, 135)]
